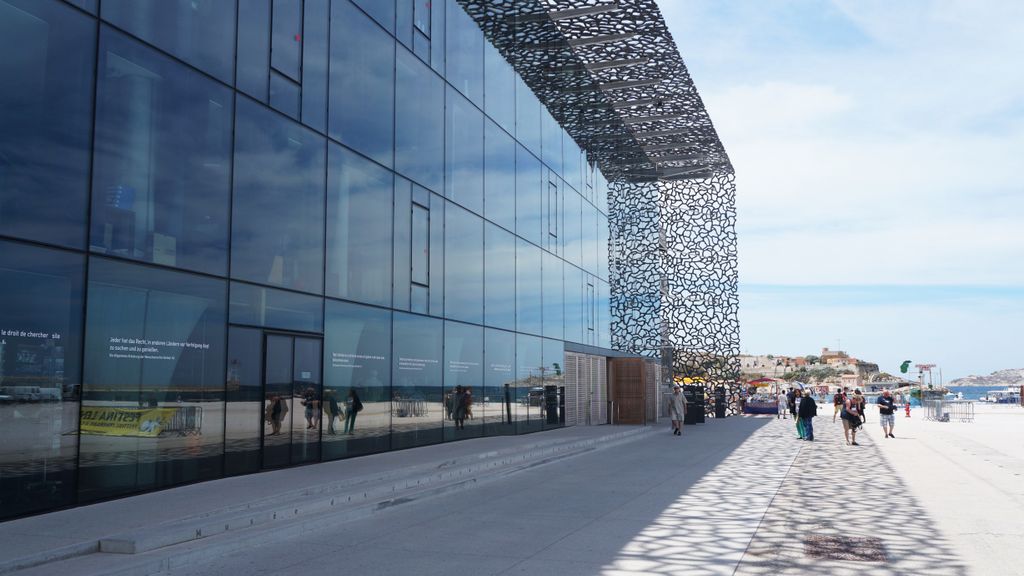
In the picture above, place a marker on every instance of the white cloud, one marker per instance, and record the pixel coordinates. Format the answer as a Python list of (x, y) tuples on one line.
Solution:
[(874, 142)]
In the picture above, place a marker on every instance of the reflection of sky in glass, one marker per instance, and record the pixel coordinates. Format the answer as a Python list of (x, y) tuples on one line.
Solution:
[(45, 121), (362, 83), (499, 176), (529, 286), (464, 265), (499, 277), (278, 201)]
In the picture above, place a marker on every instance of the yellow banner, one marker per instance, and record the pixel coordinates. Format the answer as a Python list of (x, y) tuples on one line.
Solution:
[(107, 421)]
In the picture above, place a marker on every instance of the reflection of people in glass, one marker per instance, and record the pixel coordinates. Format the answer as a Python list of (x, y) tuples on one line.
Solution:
[(312, 405), (332, 409), (469, 403), (276, 410), (352, 406), (459, 408)]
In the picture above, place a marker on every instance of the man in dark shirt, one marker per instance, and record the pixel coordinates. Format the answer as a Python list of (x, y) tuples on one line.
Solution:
[(886, 411), (807, 411)]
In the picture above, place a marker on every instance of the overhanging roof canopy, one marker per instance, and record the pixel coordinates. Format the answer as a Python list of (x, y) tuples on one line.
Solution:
[(610, 73)]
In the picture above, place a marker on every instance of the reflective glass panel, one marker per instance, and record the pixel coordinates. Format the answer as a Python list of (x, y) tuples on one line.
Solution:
[(162, 171), (357, 365), (200, 32), (499, 394), (553, 407), (307, 386), (383, 11), (284, 95), (602, 246), (464, 269), (463, 378), (499, 277), (153, 392), (277, 233), (416, 369), (286, 38), (464, 48), (419, 122), (464, 157), (499, 88), (272, 308), (573, 158), (529, 384), (401, 256), (575, 305), (253, 64), (604, 319), (279, 400), (590, 239), (40, 376), (529, 287), (499, 176), (315, 36), (243, 414), (45, 120), (359, 231), (527, 117), (362, 82), (553, 313), (530, 190), (572, 232), (552, 134)]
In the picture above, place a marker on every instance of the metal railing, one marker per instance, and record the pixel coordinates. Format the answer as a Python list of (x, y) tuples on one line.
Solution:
[(186, 420), (942, 411)]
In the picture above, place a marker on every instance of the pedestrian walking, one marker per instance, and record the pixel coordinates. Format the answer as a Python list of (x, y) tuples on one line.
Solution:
[(677, 408), (861, 404), (808, 410), (837, 402), (275, 413), (887, 413), (797, 400), (332, 409), (459, 408), (352, 407), (783, 401), (851, 421)]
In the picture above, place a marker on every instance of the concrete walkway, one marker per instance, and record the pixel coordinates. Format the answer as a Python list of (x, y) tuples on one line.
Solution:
[(737, 496)]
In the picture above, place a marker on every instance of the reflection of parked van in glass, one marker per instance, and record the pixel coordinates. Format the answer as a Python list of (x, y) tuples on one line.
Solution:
[(49, 394), (22, 393), (31, 393)]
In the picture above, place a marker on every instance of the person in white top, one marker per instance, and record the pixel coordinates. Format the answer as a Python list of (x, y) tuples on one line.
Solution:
[(783, 406)]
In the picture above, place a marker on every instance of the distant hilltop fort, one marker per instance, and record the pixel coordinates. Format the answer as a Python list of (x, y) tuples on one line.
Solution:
[(832, 367)]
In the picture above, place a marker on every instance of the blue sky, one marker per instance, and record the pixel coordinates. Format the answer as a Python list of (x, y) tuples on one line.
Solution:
[(879, 149)]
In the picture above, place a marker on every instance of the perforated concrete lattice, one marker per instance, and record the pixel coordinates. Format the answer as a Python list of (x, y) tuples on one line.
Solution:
[(611, 74)]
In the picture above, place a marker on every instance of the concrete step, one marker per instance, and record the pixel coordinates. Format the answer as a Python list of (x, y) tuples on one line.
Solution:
[(297, 511)]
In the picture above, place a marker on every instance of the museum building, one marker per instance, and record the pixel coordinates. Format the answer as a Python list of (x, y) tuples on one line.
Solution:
[(243, 235)]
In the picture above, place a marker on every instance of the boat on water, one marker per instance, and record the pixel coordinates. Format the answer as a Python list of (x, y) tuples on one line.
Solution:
[(1008, 395), (951, 397)]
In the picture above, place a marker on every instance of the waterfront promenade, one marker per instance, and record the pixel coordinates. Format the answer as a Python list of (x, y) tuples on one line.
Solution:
[(737, 496)]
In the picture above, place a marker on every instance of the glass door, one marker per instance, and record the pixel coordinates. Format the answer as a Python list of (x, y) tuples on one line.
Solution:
[(291, 400)]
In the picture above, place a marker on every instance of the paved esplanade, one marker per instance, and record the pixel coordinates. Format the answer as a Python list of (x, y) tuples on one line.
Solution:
[(737, 496)]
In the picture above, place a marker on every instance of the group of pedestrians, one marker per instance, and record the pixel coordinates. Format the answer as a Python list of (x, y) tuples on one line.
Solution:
[(852, 410), (849, 407)]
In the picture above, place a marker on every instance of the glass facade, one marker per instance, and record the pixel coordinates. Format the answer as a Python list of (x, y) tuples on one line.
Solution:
[(241, 236)]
